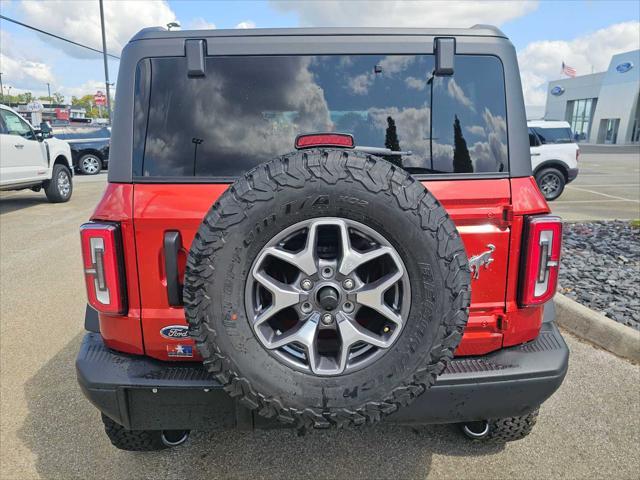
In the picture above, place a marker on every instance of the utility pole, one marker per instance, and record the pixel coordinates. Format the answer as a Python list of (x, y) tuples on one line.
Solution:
[(1, 87), (104, 56), (49, 91)]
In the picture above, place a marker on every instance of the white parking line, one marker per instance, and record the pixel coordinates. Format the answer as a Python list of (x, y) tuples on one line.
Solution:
[(592, 201), (611, 185), (603, 194)]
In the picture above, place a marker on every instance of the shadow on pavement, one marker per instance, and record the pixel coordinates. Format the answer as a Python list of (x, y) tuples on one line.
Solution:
[(65, 434), (18, 202)]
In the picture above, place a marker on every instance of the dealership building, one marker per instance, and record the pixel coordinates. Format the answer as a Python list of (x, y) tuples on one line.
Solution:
[(601, 107)]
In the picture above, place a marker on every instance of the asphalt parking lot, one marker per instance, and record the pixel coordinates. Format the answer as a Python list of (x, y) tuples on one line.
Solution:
[(607, 187), (590, 428)]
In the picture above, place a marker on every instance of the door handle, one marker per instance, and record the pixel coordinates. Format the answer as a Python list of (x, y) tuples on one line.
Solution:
[(172, 247), (19, 145), (535, 154)]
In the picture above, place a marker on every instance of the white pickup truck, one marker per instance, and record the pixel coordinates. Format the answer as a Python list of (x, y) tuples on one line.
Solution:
[(554, 156), (28, 160)]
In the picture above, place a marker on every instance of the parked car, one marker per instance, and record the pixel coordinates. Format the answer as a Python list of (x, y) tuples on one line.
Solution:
[(28, 160), (89, 146), (554, 156), (297, 232)]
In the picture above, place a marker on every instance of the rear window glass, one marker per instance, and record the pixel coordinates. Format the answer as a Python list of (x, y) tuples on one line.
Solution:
[(249, 109), (554, 135)]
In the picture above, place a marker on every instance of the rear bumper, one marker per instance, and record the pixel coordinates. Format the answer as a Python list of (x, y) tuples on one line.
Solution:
[(141, 393), (572, 174)]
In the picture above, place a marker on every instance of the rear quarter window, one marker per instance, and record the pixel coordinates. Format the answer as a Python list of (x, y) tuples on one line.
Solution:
[(249, 109), (554, 135)]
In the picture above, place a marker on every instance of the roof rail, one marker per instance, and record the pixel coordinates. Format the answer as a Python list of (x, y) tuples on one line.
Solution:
[(493, 28)]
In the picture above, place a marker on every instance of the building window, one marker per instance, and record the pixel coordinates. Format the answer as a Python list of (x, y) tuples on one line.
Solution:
[(608, 133), (635, 132), (579, 117)]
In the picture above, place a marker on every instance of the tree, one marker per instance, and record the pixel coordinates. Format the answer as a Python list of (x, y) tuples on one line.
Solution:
[(21, 98), (392, 143), (391, 138), (461, 158), (86, 102)]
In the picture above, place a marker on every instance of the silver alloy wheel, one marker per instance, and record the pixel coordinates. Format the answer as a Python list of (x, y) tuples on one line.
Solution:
[(64, 183), (328, 251), (549, 184), (90, 164)]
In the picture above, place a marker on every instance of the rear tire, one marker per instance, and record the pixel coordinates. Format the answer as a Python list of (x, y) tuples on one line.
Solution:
[(142, 440), (90, 164), (60, 187), (551, 182), (501, 430)]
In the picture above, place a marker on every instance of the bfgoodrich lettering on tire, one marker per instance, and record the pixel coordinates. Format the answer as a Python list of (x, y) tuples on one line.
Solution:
[(327, 288)]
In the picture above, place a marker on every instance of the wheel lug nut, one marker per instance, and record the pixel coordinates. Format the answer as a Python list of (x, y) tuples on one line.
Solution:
[(306, 284), (327, 319), (348, 284)]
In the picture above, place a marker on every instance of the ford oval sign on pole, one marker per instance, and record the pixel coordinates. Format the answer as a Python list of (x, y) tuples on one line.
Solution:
[(624, 67), (557, 90)]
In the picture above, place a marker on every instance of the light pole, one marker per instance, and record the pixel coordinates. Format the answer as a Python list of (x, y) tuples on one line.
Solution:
[(49, 91), (1, 88), (106, 66)]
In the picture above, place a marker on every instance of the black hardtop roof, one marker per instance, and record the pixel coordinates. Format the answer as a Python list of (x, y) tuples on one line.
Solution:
[(474, 31)]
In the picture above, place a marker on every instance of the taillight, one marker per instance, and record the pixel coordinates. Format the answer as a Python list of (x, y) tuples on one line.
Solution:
[(577, 154), (311, 140), (541, 259), (103, 267)]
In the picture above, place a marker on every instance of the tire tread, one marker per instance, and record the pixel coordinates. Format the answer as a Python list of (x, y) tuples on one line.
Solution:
[(328, 166)]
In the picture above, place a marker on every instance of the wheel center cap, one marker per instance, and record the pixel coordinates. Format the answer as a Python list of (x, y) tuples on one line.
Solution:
[(328, 298)]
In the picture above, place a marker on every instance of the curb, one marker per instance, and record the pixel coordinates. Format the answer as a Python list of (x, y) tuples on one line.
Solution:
[(595, 328)]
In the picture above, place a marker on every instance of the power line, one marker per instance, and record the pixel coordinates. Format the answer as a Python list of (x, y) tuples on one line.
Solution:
[(56, 36)]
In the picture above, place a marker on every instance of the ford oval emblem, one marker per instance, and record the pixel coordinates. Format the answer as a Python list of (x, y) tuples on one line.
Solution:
[(557, 90), (175, 332), (624, 67)]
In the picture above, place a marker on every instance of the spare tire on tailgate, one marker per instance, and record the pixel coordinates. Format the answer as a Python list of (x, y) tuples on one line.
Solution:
[(327, 288)]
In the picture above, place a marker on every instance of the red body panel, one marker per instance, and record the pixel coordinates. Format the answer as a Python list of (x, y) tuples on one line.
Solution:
[(122, 332), (485, 212)]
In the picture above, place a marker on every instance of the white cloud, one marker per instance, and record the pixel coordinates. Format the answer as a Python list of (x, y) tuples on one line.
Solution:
[(415, 83), (89, 87), (360, 84), (455, 91), (246, 24), (476, 130), (389, 66), (200, 23), (541, 61), (18, 64), (405, 13), (80, 21)]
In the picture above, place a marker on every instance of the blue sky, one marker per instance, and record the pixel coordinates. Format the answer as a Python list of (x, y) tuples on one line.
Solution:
[(545, 33)]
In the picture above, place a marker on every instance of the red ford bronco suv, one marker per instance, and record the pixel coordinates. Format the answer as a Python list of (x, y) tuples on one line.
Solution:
[(319, 228)]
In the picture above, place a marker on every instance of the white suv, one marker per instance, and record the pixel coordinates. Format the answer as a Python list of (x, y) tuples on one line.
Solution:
[(554, 156), (28, 160)]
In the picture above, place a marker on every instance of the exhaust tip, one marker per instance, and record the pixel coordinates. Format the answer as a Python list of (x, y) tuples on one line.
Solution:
[(476, 430), (173, 438)]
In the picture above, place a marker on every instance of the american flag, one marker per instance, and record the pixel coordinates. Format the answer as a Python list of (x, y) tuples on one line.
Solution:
[(568, 71)]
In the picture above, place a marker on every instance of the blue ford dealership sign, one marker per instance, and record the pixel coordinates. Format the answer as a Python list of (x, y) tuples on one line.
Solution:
[(624, 67), (557, 90)]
